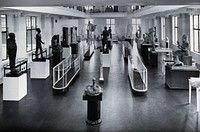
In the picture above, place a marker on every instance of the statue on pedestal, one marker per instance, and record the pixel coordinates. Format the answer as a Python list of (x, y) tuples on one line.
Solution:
[(38, 43), (12, 51), (74, 34)]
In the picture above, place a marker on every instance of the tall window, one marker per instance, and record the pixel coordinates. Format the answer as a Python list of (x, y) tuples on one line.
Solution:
[(86, 24), (31, 22), (4, 36), (135, 24), (175, 29), (196, 33), (163, 28), (111, 23)]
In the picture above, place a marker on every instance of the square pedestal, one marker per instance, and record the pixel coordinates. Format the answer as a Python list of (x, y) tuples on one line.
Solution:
[(14, 88), (106, 60), (40, 70), (66, 52)]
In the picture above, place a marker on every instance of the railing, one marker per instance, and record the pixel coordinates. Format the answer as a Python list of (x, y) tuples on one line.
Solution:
[(65, 72), (137, 73)]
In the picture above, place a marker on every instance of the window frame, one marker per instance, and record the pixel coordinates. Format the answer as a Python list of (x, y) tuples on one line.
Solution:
[(196, 47), (111, 23), (6, 34), (175, 29), (30, 27), (135, 25)]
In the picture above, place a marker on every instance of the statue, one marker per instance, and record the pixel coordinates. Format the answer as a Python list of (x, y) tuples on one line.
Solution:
[(129, 30), (12, 51), (38, 43), (74, 34), (55, 44), (138, 32), (105, 35), (184, 49), (90, 29), (167, 42)]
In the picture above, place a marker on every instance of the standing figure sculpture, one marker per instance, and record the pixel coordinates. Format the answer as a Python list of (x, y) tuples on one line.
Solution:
[(12, 51), (38, 43), (129, 30), (105, 35), (89, 30), (74, 34)]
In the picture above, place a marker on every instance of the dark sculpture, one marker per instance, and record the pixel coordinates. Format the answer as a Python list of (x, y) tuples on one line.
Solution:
[(38, 43), (105, 35), (55, 44), (64, 42), (12, 51)]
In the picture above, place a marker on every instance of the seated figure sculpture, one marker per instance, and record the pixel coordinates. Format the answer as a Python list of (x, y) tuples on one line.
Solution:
[(183, 49)]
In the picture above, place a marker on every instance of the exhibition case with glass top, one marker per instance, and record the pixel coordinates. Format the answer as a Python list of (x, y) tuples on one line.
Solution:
[(65, 72), (137, 73)]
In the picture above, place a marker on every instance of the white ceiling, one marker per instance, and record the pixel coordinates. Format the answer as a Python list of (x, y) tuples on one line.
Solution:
[(6, 3)]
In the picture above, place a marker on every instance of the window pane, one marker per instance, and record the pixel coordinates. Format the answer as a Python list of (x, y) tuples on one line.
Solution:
[(112, 21), (196, 40), (113, 29), (134, 21), (33, 39), (138, 21), (107, 21), (196, 22)]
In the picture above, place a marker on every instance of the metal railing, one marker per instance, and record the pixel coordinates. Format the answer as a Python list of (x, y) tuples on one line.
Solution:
[(65, 71)]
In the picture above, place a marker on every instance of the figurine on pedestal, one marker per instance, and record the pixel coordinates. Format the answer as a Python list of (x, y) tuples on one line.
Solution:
[(105, 35), (38, 43), (138, 32), (12, 51), (167, 42)]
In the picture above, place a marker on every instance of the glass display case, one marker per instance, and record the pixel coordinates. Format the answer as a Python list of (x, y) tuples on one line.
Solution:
[(65, 72), (126, 47), (137, 73), (88, 49), (20, 68)]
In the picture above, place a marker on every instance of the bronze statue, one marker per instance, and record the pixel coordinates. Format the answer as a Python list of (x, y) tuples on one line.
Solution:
[(12, 51), (38, 43)]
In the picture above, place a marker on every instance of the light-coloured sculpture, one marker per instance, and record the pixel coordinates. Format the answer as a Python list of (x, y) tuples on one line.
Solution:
[(74, 34), (129, 30)]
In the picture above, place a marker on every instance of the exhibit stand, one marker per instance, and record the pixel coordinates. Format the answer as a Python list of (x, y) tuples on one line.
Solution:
[(74, 48), (126, 47), (15, 84), (106, 59), (40, 69), (93, 95)]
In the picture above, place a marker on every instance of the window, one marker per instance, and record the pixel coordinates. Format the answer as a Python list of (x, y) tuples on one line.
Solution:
[(174, 29), (196, 33), (163, 28), (111, 23), (86, 24), (31, 22), (135, 24), (4, 36)]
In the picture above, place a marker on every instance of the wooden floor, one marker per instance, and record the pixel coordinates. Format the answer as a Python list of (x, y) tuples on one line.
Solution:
[(161, 109)]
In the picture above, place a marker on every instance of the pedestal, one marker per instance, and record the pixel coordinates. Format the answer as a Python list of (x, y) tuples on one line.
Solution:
[(152, 58), (14, 88), (93, 108), (74, 46), (106, 59), (57, 58), (40, 70), (66, 52)]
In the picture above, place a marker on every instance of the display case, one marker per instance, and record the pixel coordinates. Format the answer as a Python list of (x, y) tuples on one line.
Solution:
[(44, 53), (126, 47), (137, 73), (65, 72), (20, 68), (88, 49)]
